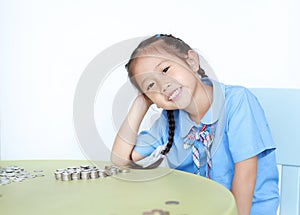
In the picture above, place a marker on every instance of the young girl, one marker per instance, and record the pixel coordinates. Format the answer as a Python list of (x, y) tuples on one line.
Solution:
[(206, 128)]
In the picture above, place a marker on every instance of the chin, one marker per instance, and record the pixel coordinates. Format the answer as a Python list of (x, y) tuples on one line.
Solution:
[(176, 107)]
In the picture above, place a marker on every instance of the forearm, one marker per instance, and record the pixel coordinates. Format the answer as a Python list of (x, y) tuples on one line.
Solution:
[(243, 184), (126, 136)]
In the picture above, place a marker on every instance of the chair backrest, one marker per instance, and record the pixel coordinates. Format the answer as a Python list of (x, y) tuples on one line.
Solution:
[(282, 109)]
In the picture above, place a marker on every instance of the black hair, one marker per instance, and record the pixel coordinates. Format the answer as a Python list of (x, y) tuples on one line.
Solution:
[(171, 123), (176, 47)]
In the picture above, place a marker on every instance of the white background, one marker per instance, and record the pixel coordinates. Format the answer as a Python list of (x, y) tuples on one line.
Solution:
[(46, 45)]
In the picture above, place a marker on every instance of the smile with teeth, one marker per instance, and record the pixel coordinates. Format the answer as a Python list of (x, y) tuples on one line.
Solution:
[(175, 94)]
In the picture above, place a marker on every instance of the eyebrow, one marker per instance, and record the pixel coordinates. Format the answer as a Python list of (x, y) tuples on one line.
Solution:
[(143, 82), (160, 63)]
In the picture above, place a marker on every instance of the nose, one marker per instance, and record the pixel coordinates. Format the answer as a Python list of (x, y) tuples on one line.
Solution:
[(164, 83), (165, 87)]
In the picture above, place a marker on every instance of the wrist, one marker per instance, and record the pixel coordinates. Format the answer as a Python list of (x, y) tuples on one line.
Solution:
[(137, 113), (142, 104)]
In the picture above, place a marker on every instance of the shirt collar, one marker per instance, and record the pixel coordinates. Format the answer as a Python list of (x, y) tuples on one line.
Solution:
[(213, 113)]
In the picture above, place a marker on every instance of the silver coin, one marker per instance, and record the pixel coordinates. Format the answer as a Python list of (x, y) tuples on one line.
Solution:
[(21, 177), (70, 170), (16, 168), (75, 176), (124, 170), (172, 202), (84, 166), (85, 174), (58, 175), (10, 174), (94, 174), (72, 167), (30, 176), (108, 172), (18, 179), (66, 176), (9, 170), (102, 173), (5, 182)]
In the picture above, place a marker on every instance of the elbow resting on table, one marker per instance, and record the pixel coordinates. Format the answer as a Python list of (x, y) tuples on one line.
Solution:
[(118, 160)]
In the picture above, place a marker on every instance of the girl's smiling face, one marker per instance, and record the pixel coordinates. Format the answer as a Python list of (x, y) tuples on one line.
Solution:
[(170, 83)]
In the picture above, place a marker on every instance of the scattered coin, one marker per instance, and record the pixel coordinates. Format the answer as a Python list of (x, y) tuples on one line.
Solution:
[(18, 179), (14, 173), (124, 170), (156, 212), (172, 202)]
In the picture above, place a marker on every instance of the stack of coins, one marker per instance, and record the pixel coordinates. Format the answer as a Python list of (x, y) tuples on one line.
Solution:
[(85, 172), (112, 170), (11, 174), (58, 174), (102, 173)]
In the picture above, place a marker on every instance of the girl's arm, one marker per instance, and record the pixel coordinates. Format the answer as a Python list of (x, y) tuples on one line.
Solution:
[(243, 184), (126, 137)]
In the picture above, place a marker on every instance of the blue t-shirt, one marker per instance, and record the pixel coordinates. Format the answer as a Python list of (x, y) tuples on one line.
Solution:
[(241, 132)]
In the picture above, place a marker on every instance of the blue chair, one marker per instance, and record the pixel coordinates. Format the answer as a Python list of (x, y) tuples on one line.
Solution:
[(282, 109)]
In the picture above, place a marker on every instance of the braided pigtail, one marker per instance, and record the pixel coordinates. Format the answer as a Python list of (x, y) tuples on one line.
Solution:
[(201, 72), (171, 122)]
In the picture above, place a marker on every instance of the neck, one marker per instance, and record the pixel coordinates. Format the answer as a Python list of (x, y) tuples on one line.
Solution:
[(201, 103)]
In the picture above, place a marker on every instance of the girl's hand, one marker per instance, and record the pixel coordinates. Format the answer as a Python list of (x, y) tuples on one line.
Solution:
[(143, 101)]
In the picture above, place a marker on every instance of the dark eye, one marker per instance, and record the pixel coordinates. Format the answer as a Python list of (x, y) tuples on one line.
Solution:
[(165, 70), (150, 85)]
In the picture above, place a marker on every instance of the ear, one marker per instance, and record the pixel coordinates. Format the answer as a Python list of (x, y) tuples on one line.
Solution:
[(193, 60)]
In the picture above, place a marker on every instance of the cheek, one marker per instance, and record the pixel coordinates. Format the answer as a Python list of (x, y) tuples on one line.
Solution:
[(182, 74), (157, 98), (189, 78), (154, 96)]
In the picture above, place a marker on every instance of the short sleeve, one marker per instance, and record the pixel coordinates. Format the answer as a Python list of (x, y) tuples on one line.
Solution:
[(247, 128), (148, 140)]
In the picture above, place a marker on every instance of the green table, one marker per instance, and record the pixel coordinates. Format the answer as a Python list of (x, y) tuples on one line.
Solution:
[(137, 192)]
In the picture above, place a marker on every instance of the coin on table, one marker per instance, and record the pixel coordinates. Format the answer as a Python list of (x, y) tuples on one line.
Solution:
[(94, 174), (84, 166), (172, 202), (85, 174), (124, 170), (75, 175), (18, 179), (31, 176), (66, 176), (4, 181), (102, 173), (108, 172)]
